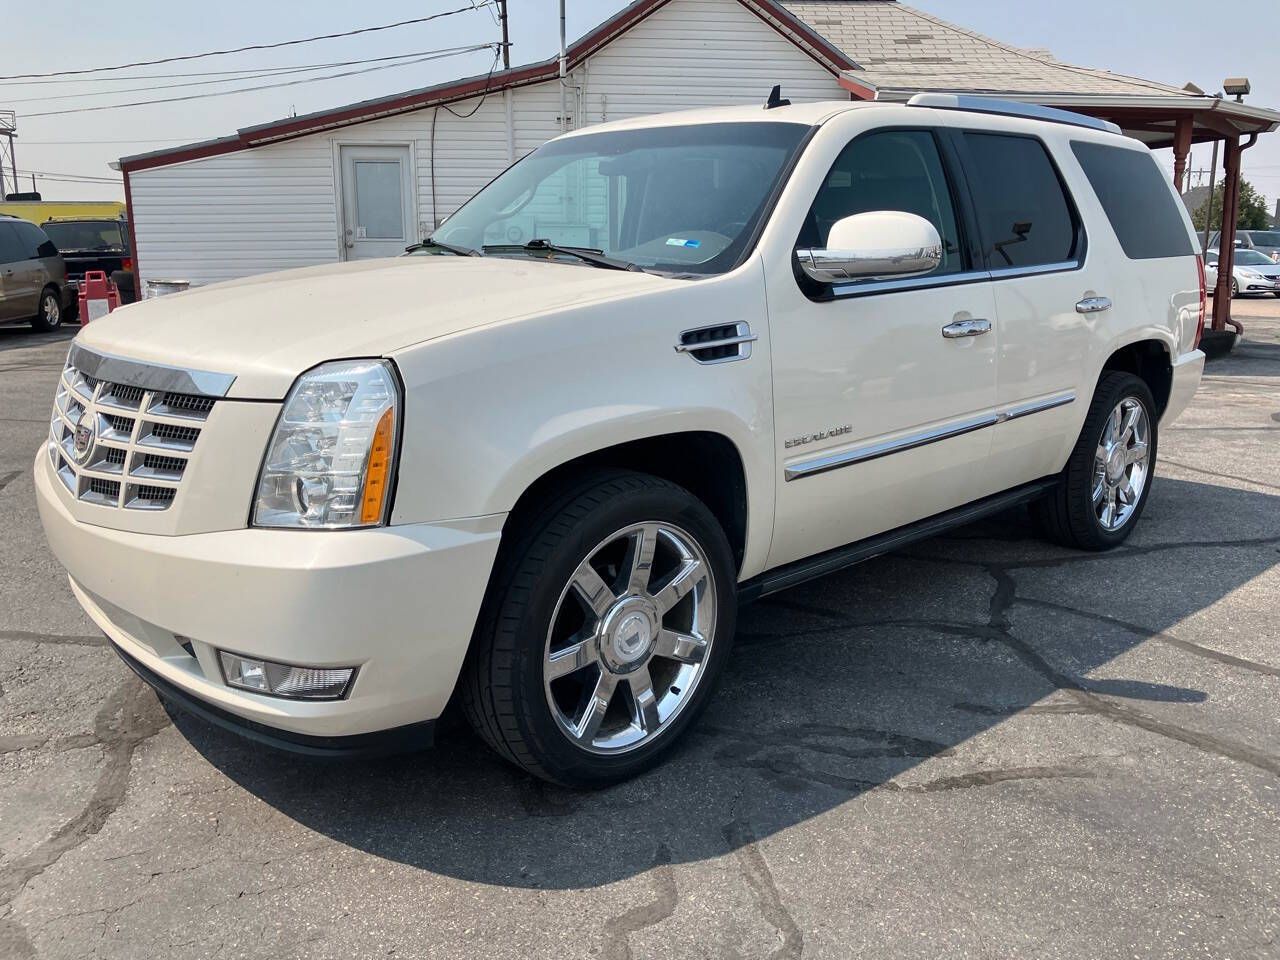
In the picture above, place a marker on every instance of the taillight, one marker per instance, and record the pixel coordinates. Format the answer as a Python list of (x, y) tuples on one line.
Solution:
[(127, 264), (1204, 298)]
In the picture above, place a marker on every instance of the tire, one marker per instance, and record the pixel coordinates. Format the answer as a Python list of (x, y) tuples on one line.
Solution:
[(124, 281), (50, 316), (1235, 289), (525, 680), (1073, 515)]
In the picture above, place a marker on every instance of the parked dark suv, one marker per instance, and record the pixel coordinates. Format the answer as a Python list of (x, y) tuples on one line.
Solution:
[(94, 243), (32, 276)]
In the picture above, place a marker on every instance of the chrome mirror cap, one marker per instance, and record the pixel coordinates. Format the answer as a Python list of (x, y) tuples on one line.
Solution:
[(885, 243)]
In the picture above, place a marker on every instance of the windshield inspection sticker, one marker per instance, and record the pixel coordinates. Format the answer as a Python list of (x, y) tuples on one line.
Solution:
[(679, 242)]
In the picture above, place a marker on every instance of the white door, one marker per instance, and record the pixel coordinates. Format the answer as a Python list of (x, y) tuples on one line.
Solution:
[(1044, 287), (881, 414), (377, 202)]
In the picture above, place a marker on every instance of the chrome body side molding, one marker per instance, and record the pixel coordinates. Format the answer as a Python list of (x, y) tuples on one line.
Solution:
[(825, 462), (149, 376)]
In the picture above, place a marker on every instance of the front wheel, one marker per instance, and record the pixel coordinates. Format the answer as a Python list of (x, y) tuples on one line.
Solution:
[(604, 631), (1235, 288), (1108, 476), (50, 316)]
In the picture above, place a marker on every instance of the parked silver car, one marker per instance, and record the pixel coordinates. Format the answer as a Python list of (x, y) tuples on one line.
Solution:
[(32, 276), (1251, 273)]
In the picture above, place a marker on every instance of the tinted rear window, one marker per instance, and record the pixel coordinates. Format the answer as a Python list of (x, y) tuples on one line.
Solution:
[(1026, 219), (1133, 192)]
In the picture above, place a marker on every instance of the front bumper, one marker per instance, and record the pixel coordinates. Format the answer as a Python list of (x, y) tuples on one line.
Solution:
[(1187, 370), (398, 603)]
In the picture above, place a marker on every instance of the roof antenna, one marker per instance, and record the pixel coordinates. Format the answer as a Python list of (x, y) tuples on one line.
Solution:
[(775, 98)]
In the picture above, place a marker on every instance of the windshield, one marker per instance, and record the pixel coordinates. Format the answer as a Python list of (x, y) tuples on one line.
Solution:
[(683, 199), (85, 234), (1252, 258), (1265, 238)]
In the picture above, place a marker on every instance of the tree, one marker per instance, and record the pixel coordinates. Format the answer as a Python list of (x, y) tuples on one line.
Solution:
[(1253, 209)]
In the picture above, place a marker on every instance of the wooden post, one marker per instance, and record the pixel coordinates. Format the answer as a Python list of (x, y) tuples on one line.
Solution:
[(1227, 237), (1181, 148)]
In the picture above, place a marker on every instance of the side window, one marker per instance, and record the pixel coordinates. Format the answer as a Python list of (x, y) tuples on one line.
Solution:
[(1025, 218), (11, 248), (35, 242), (1137, 200), (893, 170)]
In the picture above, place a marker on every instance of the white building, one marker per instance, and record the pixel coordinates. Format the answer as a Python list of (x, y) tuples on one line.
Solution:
[(369, 178)]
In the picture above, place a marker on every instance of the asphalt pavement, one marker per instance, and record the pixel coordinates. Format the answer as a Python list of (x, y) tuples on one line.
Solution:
[(983, 746)]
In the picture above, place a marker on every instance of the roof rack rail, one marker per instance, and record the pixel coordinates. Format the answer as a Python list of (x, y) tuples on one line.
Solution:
[(1009, 108)]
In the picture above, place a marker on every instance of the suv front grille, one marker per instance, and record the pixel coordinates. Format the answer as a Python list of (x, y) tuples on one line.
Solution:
[(133, 452)]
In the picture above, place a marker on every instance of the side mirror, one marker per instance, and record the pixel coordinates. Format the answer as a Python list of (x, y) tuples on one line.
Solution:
[(886, 243)]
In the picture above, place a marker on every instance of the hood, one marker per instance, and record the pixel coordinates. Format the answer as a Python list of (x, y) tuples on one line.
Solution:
[(267, 329)]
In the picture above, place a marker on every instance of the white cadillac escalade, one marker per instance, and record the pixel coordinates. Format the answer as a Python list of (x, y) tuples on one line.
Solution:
[(656, 368)]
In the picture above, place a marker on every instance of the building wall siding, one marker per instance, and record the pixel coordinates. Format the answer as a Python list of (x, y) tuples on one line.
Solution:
[(277, 206)]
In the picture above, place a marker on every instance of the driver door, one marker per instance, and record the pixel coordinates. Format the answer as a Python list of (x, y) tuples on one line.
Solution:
[(881, 409)]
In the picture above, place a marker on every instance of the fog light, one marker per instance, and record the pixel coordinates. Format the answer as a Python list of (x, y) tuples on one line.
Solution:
[(284, 680)]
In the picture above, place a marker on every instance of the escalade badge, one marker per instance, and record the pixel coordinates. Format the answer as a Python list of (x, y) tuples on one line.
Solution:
[(820, 435), (82, 442)]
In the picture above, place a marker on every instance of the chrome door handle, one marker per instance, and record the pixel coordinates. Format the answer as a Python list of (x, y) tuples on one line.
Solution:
[(966, 328), (1093, 305)]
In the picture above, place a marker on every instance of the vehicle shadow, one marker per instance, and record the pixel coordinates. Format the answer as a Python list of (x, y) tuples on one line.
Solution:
[(21, 336), (835, 688)]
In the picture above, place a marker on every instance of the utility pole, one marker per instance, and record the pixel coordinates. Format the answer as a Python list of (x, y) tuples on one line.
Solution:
[(506, 43), (564, 70), (9, 127)]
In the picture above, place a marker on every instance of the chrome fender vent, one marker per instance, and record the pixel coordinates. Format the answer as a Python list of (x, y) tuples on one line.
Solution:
[(717, 344)]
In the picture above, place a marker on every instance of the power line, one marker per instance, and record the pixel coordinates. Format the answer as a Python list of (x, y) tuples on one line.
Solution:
[(474, 5), (268, 86), (266, 72), (65, 143), (78, 176)]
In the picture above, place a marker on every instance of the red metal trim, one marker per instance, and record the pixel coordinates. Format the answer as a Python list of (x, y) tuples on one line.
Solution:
[(861, 91), (776, 16), (503, 80), (133, 238)]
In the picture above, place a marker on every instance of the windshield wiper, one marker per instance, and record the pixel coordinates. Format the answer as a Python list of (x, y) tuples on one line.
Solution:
[(586, 254), (456, 250)]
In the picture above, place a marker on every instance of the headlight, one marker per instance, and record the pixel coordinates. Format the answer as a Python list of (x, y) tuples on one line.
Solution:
[(330, 459)]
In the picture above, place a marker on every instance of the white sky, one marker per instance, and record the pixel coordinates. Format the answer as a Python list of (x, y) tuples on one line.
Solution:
[(1168, 40)]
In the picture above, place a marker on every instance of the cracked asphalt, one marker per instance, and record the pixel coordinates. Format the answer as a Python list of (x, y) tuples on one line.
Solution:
[(983, 746)]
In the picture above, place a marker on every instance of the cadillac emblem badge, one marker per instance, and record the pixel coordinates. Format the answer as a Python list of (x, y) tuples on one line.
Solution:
[(82, 441)]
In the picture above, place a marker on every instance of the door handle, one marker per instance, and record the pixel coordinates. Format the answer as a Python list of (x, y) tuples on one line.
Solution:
[(1093, 305), (966, 328)]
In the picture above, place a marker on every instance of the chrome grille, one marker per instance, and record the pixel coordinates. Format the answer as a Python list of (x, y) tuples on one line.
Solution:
[(135, 448)]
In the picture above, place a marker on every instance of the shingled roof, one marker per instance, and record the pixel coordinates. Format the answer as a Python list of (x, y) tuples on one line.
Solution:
[(901, 50)]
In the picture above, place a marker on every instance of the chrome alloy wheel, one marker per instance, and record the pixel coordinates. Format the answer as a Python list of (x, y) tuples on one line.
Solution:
[(1121, 464), (50, 311), (629, 638)]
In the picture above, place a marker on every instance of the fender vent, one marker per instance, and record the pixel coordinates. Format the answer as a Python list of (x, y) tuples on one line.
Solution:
[(718, 344)]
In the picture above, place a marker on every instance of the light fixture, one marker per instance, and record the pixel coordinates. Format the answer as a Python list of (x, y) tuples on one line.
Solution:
[(285, 680), (1238, 87)]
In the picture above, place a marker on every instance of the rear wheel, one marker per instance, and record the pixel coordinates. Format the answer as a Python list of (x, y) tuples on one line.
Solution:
[(1108, 476), (604, 631), (50, 315)]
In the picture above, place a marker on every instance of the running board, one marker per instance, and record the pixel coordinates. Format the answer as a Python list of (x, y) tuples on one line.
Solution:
[(810, 568)]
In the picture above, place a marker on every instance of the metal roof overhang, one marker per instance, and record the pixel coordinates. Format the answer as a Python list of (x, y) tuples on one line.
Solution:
[(1150, 118)]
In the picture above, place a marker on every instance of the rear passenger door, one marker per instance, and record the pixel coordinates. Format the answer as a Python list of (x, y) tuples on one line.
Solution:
[(1045, 285)]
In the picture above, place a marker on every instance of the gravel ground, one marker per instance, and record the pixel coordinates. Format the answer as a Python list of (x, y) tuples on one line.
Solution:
[(983, 746)]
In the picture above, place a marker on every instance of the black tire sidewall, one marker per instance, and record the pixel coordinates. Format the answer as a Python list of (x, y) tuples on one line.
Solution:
[(654, 500), (40, 323), (1112, 388)]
